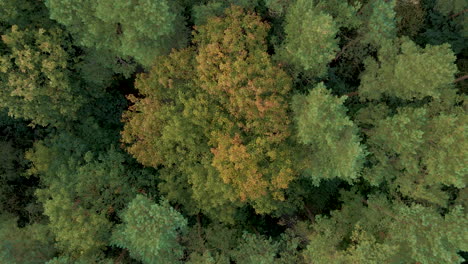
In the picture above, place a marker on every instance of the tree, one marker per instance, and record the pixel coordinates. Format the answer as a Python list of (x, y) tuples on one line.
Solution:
[(202, 12), (411, 134), (333, 147), (376, 230), (380, 23), (410, 16), (253, 249), (141, 30), (150, 231), (310, 42), (408, 72), (250, 138), (169, 127), (24, 13), (29, 244), (36, 76), (83, 186), (222, 126), (418, 154)]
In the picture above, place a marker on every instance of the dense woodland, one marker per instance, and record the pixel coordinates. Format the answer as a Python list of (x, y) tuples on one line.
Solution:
[(233, 131)]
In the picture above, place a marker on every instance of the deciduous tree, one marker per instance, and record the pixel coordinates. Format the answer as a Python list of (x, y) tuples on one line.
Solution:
[(150, 231)]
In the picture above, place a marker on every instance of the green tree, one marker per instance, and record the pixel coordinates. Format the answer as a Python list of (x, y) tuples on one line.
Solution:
[(29, 244), (24, 13), (376, 230), (415, 132), (17, 191), (202, 12), (150, 231), (379, 24), (36, 77), (408, 72), (418, 154), (333, 147), (83, 185), (253, 249), (311, 38), (410, 17), (141, 30)]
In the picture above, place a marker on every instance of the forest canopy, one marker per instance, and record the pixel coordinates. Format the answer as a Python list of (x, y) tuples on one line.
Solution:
[(233, 131)]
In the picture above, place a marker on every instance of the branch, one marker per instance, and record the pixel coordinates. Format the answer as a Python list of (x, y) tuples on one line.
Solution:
[(352, 94), (199, 230), (310, 215), (352, 42), (459, 13), (459, 79), (121, 255)]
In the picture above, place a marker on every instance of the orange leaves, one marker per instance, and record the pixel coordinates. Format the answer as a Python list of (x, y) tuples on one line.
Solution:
[(245, 167), (238, 167), (220, 113), (235, 69)]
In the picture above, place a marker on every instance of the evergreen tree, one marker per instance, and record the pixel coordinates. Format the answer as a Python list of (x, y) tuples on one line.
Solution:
[(83, 185)]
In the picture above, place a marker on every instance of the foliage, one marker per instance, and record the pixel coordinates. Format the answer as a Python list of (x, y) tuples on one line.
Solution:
[(234, 122), (418, 153), (288, 131), (378, 231), (202, 12), (255, 249), (30, 244), (117, 26), (35, 73), (310, 42), (409, 72), (149, 231), (24, 13), (251, 94), (81, 190), (410, 17), (445, 23), (380, 25), (333, 145)]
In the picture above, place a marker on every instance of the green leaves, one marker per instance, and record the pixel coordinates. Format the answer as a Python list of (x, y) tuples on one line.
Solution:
[(30, 244), (419, 154), (332, 144), (377, 231), (119, 27), (412, 73), (150, 231), (247, 132), (381, 23), (311, 41), (83, 186), (36, 77)]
